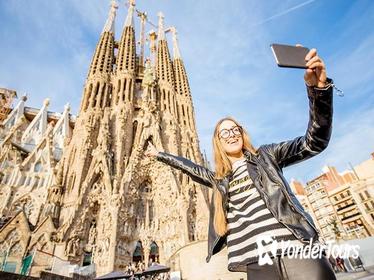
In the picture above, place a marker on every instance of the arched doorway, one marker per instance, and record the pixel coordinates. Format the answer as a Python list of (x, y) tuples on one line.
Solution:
[(138, 254), (153, 253), (87, 258)]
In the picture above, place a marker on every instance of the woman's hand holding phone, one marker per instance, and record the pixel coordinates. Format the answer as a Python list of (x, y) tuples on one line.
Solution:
[(315, 75)]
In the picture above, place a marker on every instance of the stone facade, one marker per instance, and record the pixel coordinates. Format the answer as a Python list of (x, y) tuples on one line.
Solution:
[(81, 188)]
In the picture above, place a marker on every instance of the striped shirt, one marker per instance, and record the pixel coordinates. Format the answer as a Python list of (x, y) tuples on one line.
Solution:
[(249, 218)]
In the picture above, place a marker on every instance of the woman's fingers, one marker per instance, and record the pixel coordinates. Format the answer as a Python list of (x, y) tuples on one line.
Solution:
[(310, 54), (312, 60), (317, 64), (309, 77), (315, 74)]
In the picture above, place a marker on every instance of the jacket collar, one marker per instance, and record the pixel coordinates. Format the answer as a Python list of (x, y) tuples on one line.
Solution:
[(249, 156)]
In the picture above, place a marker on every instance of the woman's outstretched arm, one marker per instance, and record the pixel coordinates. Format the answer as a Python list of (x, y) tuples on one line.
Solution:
[(318, 133), (197, 172)]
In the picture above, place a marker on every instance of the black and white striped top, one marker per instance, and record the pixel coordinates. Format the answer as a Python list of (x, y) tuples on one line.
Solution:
[(248, 218)]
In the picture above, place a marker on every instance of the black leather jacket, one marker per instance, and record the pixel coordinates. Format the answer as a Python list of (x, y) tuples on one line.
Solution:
[(265, 170)]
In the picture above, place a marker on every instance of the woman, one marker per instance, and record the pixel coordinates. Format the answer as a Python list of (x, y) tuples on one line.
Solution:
[(251, 198)]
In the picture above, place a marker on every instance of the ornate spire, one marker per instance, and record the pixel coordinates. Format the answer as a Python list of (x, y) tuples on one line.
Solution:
[(161, 32), (176, 52), (97, 83), (126, 58), (130, 14), (109, 25), (164, 63), (61, 130), (35, 130)]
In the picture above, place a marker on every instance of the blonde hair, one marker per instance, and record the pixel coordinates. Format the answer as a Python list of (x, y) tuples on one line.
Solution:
[(223, 167)]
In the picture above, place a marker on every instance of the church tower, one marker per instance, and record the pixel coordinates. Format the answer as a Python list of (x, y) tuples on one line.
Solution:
[(87, 166), (104, 201), (166, 83), (190, 144)]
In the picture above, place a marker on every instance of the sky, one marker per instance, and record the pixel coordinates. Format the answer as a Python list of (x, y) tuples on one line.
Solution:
[(47, 45)]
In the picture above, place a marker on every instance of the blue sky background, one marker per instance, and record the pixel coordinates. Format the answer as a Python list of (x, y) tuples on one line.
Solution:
[(46, 48)]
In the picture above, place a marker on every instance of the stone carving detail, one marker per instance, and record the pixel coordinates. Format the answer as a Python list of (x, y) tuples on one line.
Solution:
[(93, 189), (149, 78), (72, 247), (92, 235)]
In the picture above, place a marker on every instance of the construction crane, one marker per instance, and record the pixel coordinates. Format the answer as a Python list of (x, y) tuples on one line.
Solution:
[(143, 20)]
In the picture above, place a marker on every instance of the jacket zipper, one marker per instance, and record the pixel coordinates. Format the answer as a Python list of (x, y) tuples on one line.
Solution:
[(291, 203), (297, 210), (262, 194), (291, 230)]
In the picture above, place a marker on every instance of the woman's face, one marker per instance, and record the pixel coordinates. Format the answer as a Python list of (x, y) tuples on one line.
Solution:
[(231, 137)]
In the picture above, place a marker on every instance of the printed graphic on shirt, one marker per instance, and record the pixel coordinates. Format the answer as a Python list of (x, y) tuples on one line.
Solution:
[(248, 218)]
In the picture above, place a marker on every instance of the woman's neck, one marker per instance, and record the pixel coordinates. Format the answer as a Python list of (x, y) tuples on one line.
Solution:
[(236, 157)]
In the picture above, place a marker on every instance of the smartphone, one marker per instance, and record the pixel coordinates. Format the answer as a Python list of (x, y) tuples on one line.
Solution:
[(290, 56)]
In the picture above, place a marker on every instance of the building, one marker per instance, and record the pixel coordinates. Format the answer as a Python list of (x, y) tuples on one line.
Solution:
[(349, 201), (365, 169), (322, 207), (297, 187), (31, 145), (342, 204), (80, 188)]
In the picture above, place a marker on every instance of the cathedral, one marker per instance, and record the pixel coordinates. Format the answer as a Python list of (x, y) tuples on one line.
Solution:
[(79, 189)]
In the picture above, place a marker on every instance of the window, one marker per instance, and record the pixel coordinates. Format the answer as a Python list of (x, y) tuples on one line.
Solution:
[(38, 167), (150, 211), (367, 194), (5, 179), (22, 180), (134, 129), (28, 181)]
